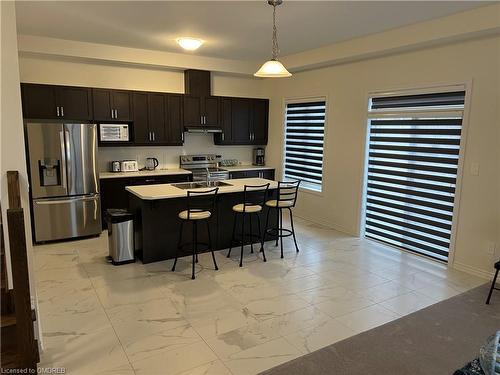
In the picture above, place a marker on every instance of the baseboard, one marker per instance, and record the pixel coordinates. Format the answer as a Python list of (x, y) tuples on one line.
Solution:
[(473, 270), (327, 224)]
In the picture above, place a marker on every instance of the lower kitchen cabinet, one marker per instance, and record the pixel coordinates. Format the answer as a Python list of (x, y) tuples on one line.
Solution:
[(268, 174), (114, 195)]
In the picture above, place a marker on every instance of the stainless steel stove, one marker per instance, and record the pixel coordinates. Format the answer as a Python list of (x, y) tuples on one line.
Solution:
[(205, 167)]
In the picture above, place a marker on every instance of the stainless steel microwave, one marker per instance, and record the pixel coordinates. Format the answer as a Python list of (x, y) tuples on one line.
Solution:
[(114, 132)]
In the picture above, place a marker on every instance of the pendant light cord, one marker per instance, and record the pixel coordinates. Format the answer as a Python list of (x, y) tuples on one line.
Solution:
[(276, 49)]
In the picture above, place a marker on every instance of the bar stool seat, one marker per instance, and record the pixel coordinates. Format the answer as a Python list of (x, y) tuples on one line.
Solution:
[(274, 203), (248, 208), (194, 215)]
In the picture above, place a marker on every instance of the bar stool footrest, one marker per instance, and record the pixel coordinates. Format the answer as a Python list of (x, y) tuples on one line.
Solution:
[(274, 232)]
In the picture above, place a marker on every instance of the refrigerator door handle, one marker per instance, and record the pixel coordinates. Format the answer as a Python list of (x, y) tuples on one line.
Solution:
[(68, 160), (63, 159), (67, 200)]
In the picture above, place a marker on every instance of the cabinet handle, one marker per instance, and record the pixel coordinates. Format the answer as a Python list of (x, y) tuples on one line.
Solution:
[(149, 135), (62, 111), (116, 113), (58, 113), (201, 120), (112, 114), (222, 136), (153, 136), (182, 136)]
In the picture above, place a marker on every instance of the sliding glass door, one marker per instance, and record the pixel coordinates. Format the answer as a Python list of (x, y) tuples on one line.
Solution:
[(412, 167)]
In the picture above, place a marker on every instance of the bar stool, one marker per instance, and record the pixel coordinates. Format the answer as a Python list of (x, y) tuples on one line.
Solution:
[(286, 199), (497, 267), (200, 206), (254, 197)]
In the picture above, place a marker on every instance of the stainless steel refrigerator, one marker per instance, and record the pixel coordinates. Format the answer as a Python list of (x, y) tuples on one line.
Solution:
[(64, 180)]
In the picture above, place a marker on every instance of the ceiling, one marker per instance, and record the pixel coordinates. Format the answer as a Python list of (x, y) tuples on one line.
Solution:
[(238, 30)]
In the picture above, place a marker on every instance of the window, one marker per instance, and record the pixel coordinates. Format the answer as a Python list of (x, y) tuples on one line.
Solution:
[(304, 138), (413, 153)]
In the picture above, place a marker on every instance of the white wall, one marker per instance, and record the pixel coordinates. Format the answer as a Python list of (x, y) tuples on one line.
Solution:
[(12, 136), (77, 73), (347, 87)]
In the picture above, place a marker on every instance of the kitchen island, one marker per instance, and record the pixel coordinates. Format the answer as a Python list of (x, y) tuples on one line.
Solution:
[(157, 226)]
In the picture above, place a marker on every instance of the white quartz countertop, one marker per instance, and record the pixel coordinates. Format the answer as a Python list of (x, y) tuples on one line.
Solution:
[(165, 191), (156, 172), (240, 168)]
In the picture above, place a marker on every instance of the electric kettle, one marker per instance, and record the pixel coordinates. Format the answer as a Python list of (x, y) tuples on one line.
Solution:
[(151, 164)]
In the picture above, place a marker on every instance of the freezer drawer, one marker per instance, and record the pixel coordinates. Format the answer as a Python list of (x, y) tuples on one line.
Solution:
[(62, 218)]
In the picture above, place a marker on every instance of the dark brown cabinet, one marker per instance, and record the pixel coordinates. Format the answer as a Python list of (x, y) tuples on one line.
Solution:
[(260, 121), (56, 102), (114, 195), (244, 122), (157, 119), (112, 105), (200, 111), (262, 173)]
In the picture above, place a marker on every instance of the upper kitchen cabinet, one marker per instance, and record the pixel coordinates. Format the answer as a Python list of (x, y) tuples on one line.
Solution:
[(201, 111), (260, 121), (157, 119), (56, 102), (244, 122), (112, 105)]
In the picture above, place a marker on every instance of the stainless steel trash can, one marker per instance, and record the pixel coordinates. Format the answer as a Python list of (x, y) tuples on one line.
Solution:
[(120, 236)]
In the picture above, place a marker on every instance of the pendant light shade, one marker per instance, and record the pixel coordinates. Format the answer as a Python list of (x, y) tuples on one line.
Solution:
[(273, 68)]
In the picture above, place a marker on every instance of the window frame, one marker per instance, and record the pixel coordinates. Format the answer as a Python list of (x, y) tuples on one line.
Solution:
[(306, 99), (465, 85)]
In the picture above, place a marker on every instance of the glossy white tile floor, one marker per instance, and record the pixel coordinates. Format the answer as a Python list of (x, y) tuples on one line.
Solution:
[(144, 319)]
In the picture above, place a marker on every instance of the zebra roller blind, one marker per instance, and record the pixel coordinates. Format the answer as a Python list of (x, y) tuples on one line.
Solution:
[(412, 171), (304, 137)]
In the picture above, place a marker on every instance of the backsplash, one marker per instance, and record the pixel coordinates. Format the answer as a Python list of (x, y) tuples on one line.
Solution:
[(168, 156)]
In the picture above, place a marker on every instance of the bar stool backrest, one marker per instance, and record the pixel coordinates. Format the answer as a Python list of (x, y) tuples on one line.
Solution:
[(199, 201), (288, 191), (255, 195)]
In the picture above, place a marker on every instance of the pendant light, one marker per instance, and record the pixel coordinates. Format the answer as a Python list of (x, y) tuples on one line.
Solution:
[(273, 68)]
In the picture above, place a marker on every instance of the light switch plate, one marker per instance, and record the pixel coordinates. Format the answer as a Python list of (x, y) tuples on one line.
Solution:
[(474, 169)]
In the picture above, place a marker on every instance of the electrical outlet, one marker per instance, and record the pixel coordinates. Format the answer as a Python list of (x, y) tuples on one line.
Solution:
[(474, 169), (491, 248)]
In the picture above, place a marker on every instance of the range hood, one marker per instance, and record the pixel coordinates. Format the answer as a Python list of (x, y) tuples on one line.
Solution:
[(204, 129), (197, 83)]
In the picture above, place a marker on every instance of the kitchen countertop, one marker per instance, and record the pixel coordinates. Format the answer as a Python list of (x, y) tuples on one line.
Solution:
[(165, 191), (241, 168), (156, 172)]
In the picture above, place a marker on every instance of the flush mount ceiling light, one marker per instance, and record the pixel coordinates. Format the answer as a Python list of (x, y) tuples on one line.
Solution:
[(189, 44), (273, 68)]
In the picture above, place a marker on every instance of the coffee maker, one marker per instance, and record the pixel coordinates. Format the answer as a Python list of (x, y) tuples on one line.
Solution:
[(259, 156)]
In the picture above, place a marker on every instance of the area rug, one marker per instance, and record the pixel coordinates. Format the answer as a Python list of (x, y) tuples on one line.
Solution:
[(436, 340)]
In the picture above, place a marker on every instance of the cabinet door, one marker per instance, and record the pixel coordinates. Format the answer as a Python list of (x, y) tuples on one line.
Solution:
[(240, 120), (74, 102), (173, 119), (268, 174), (211, 111), (39, 101), (225, 137), (140, 118), (239, 174), (157, 117), (260, 123), (113, 194), (120, 101), (102, 104), (192, 110)]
